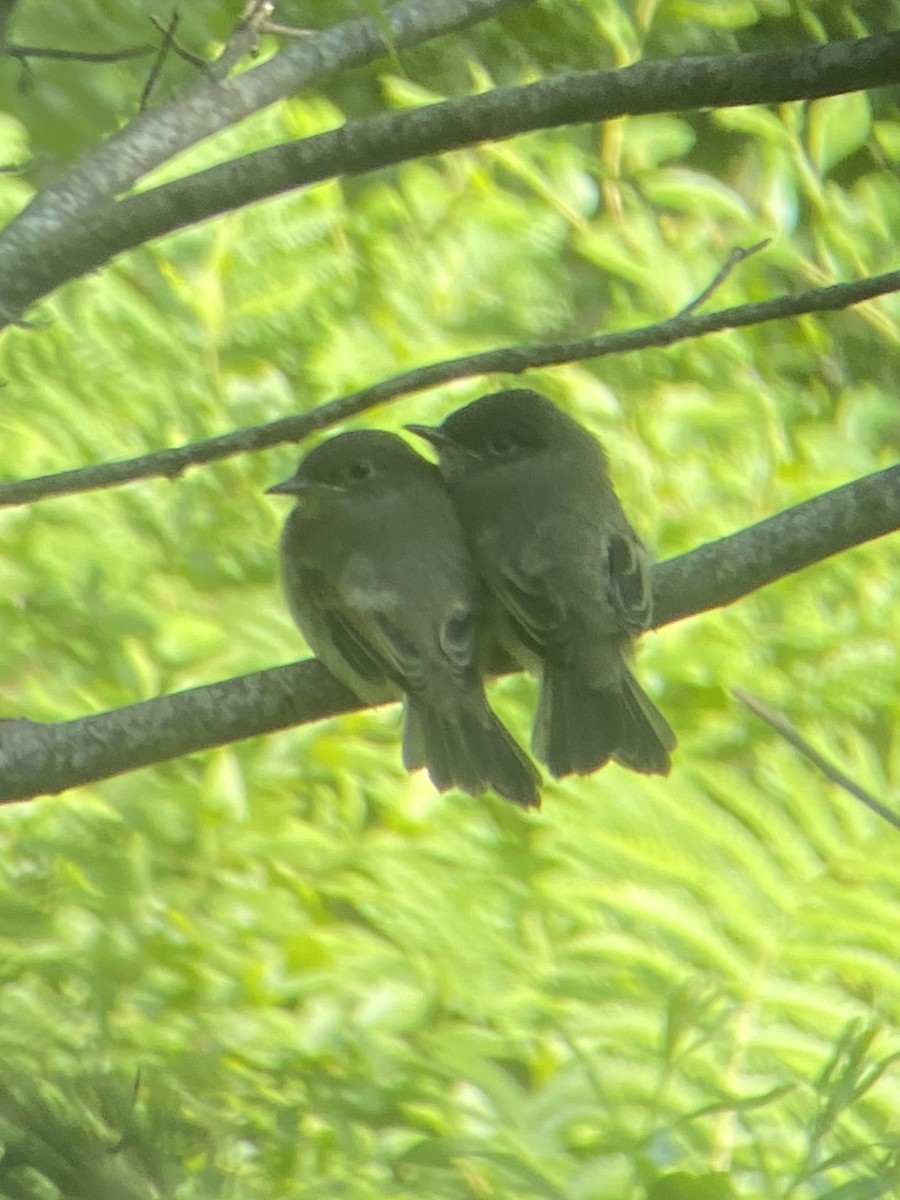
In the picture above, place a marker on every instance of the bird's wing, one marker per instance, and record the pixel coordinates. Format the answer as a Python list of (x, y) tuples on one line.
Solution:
[(332, 629), (412, 652), (374, 646), (457, 636), (537, 610), (542, 588), (630, 590), (353, 642)]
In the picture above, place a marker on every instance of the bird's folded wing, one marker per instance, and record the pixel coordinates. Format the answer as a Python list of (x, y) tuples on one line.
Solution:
[(629, 581), (538, 611)]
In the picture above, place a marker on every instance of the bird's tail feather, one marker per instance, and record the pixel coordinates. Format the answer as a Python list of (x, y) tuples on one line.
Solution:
[(580, 727), (649, 738), (467, 747)]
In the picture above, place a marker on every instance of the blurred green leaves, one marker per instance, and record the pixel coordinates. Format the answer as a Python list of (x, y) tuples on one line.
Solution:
[(838, 126), (287, 969)]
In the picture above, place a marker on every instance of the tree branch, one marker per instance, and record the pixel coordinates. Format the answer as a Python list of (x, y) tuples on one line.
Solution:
[(36, 759), (45, 231), (510, 360), (717, 574), (16, 50), (34, 262)]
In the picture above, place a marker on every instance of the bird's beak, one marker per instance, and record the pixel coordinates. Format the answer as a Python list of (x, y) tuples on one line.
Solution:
[(300, 487), (451, 454), (288, 487), (304, 489), (433, 434)]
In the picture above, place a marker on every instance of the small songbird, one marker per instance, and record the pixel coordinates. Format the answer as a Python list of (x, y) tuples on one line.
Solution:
[(568, 575), (379, 579)]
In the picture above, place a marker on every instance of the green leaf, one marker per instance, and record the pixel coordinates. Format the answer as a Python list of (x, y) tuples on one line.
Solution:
[(838, 126), (682, 1185)]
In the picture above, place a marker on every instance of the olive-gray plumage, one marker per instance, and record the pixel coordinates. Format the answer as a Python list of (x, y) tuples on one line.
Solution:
[(568, 575), (379, 579)]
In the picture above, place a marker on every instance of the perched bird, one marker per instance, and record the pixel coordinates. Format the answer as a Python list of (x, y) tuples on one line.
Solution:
[(380, 581), (568, 575)]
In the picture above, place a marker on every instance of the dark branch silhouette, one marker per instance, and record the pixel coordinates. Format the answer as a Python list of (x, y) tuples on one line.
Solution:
[(512, 360), (166, 45), (16, 50), (39, 251), (36, 759), (721, 572), (59, 215), (182, 51), (737, 256)]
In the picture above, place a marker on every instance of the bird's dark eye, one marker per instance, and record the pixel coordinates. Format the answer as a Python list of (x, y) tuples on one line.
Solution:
[(358, 471), (501, 446)]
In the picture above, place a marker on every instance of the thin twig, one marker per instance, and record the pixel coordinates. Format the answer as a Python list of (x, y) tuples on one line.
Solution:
[(782, 726), (737, 255), (290, 31), (245, 39), (194, 59), (16, 50), (168, 41)]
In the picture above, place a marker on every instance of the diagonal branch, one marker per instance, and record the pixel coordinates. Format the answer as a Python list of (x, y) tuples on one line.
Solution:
[(35, 262), (779, 722), (717, 574), (511, 360), (36, 759)]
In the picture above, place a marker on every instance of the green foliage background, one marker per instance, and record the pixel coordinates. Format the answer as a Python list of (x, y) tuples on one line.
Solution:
[(285, 968)]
